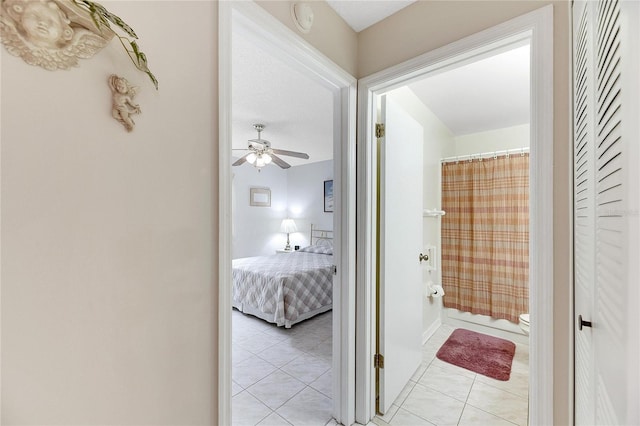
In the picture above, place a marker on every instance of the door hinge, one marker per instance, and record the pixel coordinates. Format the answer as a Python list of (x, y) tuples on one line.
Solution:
[(379, 130), (378, 361), (335, 270)]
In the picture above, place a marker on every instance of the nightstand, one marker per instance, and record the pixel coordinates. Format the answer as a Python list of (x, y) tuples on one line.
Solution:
[(283, 251)]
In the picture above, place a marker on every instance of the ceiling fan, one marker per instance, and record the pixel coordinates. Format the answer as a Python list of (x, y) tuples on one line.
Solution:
[(260, 153)]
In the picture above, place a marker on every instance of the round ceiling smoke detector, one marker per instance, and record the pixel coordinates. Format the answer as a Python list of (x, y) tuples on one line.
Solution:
[(302, 15)]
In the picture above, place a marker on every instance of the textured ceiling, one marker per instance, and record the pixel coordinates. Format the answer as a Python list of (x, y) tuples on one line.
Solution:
[(361, 14), (485, 95), (296, 110)]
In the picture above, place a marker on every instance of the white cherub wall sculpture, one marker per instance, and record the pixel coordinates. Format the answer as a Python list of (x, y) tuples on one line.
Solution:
[(48, 33), (122, 101)]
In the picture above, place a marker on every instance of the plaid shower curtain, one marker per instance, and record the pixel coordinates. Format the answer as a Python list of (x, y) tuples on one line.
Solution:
[(485, 236)]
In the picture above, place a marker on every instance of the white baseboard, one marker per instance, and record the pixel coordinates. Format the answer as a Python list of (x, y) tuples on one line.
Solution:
[(431, 330)]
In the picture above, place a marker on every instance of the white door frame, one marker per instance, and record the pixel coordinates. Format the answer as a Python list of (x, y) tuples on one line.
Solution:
[(537, 27), (249, 17)]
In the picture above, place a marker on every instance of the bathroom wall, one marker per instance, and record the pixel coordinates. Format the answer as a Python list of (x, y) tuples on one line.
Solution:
[(438, 143), (493, 140)]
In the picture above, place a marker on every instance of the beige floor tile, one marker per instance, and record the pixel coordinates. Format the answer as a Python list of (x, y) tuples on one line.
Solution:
[(386, 417), (307, 408), (274, 420), (323, 350), (454, 385), (239, 354), (324, 384), (377, 421), (518, 383), (257, 343), (251, 371), (404, 393), (235, 388), (276, 389), (241, 334), (405, 418), (433, 406), (498, 402), (247, 410), (419, 371), (454, 369), (306, 368), (472, 416), (280, 355)]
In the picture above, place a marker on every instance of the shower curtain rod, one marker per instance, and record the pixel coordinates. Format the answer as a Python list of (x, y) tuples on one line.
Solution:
[(471, 157)]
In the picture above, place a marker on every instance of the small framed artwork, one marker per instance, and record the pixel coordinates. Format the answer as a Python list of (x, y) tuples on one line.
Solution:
[(260, 197), (328, 196)]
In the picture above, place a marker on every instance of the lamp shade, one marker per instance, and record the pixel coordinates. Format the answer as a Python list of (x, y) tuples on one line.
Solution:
[(288, 226)]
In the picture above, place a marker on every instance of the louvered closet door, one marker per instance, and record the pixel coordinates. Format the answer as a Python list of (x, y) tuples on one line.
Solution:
[(584, 206), (606, 234)]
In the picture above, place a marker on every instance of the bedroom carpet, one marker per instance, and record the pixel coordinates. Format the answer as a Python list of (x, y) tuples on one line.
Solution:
[(480, 353)]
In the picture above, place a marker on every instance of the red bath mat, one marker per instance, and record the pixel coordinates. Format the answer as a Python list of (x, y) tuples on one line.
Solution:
[(482, 354)]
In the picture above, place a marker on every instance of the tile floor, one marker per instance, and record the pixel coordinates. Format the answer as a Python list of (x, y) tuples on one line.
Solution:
[(440, 393), (280, 376), (283, 377)]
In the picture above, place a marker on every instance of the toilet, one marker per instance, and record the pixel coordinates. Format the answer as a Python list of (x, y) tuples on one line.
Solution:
[(524, 323)]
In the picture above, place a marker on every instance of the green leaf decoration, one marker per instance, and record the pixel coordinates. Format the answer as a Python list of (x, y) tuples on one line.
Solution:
[(135, 47), (153, 78), (123, 25), (101, 18)]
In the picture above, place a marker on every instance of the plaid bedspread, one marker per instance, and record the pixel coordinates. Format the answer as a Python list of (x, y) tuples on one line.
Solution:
[(285, 285)]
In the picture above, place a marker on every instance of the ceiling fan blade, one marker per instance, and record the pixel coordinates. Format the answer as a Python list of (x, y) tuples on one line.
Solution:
[(280, 162), (291, 153), (241, 160)]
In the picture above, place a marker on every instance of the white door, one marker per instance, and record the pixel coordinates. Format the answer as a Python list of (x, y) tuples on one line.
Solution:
[(584, 208), (400, 298), (606, 219)]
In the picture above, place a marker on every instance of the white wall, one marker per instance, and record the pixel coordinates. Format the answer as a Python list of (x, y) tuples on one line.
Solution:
[(438, 143), (296, 192), (256, 230), (493, 140), (306, 199), (108, 276)]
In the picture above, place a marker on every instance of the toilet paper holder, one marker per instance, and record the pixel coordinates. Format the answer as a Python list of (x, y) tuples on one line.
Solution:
[(434, 290)]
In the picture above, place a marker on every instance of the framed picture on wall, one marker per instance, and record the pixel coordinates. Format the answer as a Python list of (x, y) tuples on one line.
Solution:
[(260, 197), (328, 196)]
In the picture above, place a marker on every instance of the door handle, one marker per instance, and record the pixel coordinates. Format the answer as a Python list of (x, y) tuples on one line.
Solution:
[(583, 323), (424, 257)]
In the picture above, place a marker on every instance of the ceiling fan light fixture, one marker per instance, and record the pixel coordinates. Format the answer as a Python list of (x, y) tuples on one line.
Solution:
[(261, 153)]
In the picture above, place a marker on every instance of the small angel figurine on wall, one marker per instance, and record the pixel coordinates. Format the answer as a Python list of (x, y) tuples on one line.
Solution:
[(122, 101)]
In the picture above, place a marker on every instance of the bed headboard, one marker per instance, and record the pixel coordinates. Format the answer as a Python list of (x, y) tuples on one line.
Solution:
[(321, 236)]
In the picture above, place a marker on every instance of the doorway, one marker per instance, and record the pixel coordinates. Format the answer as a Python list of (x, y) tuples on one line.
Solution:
[(275, 38), (470, 224), (528, 29)]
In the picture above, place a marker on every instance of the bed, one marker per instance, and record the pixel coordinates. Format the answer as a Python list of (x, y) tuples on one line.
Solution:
[(285, 289)]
